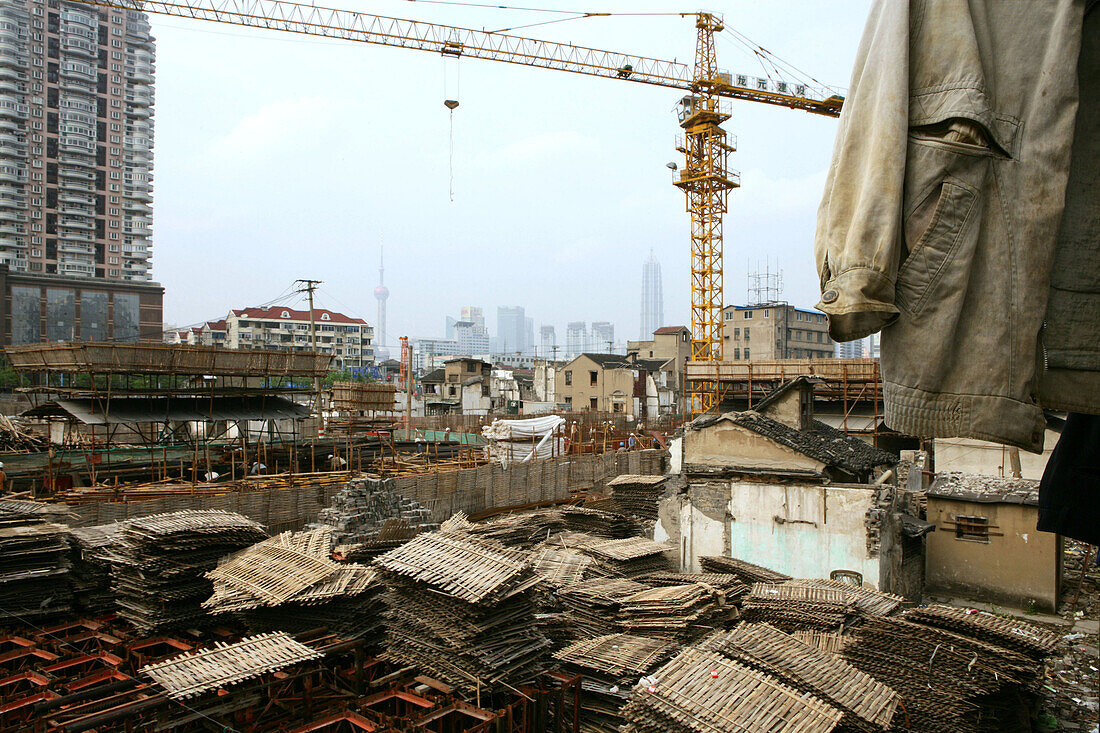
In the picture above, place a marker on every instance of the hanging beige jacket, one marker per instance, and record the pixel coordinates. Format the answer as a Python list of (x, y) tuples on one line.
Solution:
[(942, 208)]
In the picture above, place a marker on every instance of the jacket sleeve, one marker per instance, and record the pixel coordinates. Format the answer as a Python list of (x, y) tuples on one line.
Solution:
[(859, 227)]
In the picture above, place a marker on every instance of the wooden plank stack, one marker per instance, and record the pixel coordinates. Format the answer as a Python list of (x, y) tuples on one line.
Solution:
[(610, 665), (461, 608), (159, 563)]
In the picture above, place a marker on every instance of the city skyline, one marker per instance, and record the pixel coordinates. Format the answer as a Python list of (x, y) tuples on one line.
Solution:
[(653, 298)]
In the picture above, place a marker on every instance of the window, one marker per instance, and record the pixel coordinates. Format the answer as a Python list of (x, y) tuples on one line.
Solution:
[(617, 407), (737, 354), (451, 390), (746, 353), (592, 404), (569, 402), (746, 334), (593, 378), (471, 366), (767, 313), (972, 528), (798, 315), (568, 378), (737, 333), (748, 314)]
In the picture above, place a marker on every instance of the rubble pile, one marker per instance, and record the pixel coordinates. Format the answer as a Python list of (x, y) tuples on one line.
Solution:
[(610, 666), (34, 562), (289, 582), (462, 608), (728, 583), (159, 562), (394, 532), (91, 568), (361, 510), (636, 495), (951, 681)]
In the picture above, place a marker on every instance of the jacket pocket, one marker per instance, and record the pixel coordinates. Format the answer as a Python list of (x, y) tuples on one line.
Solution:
[(932, 252)]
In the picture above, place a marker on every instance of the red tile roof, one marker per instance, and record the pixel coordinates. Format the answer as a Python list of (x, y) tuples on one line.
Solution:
[(671, 329), (276, 313)]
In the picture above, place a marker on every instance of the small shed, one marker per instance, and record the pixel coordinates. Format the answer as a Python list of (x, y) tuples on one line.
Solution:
[(986, 546)]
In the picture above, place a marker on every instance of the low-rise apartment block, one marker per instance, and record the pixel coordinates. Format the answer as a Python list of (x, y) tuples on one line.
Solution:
[(349, 340), (772, 331)]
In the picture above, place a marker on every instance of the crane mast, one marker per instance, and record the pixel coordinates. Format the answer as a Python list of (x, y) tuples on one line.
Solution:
[(705, 179)]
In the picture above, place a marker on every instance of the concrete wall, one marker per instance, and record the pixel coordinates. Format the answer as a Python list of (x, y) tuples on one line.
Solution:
[(990, 459), (1018, 566), (726, 444), (804, 530)]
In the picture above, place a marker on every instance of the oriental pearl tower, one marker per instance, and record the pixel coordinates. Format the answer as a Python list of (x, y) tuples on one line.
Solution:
[(381, 293)]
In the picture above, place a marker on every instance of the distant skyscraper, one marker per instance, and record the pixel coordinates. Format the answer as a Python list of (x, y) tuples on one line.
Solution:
[(381, 293), (547, 341), (450, 327), (473, 314), (653, 298), (603, 337), (851, 349), (576, 338), (511, 329)]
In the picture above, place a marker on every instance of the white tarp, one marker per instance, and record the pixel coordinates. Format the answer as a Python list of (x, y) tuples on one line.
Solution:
[(520, 441)]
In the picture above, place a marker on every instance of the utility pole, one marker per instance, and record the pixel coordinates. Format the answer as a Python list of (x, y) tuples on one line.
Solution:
[(309, 286)]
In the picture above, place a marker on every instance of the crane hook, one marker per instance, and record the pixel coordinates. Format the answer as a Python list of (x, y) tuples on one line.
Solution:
[(451, 103)]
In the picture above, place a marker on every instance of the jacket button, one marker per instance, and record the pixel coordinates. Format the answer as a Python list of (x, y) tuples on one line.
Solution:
[(829, 296)]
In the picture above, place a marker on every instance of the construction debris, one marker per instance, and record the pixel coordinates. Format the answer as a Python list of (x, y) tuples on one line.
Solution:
[(159, 562), (461, 608), (675, 612), (361, 510), (632, 556), (227, 664)]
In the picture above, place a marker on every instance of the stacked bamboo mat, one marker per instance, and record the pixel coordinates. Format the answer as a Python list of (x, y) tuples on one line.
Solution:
[(91, 568), (610, 665), (461, 608), (290, 582), (637, 495), (159, 564), (953, 680), (34, 566)]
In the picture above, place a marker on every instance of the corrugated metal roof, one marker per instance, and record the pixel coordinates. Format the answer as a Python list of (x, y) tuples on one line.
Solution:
[(159, 409)]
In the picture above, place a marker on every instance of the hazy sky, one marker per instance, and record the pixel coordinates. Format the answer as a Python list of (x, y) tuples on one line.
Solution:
[(281, 156)]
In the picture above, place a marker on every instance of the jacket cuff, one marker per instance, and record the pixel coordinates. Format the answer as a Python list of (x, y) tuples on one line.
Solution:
[(859, 302)]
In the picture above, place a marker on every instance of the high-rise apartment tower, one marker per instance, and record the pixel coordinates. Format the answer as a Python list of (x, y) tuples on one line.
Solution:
[(76, 140), (653, 299)]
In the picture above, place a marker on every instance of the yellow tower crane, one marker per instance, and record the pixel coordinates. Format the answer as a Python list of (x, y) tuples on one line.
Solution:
[(705, 177)]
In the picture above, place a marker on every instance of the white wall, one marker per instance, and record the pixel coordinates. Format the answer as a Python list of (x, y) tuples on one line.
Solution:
[(822, 529), (990, 459)]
